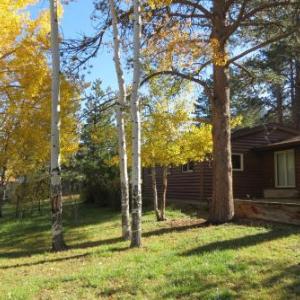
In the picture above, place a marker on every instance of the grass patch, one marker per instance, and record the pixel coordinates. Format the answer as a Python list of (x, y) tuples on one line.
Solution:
[(180, 259)]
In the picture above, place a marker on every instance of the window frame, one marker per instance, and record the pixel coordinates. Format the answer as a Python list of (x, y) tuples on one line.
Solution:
[(189, 170), (169, 171), (241, 155), (285, 174)]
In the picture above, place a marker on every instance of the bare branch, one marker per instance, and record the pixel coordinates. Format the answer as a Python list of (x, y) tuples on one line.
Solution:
[(265, 6), (198, 6), (203, 120), (261, 45), (189, 77), (243, 68), (232, 28)]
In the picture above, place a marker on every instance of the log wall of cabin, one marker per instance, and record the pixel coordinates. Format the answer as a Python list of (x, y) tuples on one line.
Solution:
[(257, 175)]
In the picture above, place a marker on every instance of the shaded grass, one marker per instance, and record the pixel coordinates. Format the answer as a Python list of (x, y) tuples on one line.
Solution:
[(180, 259)]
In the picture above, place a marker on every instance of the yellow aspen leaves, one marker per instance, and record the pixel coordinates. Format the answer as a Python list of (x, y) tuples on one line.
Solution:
[(236, 121), (219, 56), (176, 139), (159, 3), (25, 92)]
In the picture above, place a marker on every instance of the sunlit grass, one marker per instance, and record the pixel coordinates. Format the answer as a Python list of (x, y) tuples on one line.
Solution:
[(180, 259)]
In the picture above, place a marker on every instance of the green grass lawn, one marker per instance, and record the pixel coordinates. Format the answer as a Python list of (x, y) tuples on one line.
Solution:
[(180, 259)]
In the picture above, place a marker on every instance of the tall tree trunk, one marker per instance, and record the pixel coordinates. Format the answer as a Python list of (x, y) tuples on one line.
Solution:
[(121, 128), (222, 206), (296, 102), (136, 235), (18, 207), (2, 192), (58, 243), (164, 195), (154, 190), (279, 103), (1, 200), (3, 185)]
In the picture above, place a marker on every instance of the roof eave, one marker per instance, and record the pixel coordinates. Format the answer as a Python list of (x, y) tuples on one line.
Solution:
[(278, 146)]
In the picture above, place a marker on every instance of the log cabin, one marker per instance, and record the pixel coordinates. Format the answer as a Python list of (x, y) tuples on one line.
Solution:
[(265, 164)]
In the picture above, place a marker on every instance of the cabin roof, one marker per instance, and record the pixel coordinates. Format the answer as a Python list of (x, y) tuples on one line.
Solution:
[(294, 141), (268, 128)]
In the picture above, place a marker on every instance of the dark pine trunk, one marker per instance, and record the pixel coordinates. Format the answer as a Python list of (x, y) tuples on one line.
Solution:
[(2, 192), (279, 103), (164, 195), (296, 100), (222, 206), (154, 190), (1, 200)]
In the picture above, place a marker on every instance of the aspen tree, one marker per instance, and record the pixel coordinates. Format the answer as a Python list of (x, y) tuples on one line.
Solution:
[(121, 105), (136, 235), (58, 243)]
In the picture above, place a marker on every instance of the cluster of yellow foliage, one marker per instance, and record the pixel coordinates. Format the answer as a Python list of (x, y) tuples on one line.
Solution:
[(173, 46), (219, 57), (170, 136), (159, 3), (25, 92)]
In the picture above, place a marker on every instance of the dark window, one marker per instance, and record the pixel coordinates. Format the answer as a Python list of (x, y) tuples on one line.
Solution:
[(169, 170), (237, 162), (189, 167)]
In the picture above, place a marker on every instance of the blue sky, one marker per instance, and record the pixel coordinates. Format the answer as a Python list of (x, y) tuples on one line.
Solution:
[(76, 21)]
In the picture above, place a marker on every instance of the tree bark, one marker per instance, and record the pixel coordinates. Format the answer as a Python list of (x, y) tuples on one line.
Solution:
[(58, 243), (1, 203), (222, 205), (279, 103), (164, 195), (2, 192), (136, 236), (296, 102), (18, 208), (126, 232), (154, 190)]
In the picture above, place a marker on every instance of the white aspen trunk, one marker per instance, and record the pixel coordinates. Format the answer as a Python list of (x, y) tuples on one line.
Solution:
[(58, 243), (136, 235), (154, 190), (126, 232)]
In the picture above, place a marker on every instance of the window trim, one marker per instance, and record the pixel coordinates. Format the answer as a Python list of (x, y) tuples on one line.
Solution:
[(188, 170), (241, 155), (276, 171)]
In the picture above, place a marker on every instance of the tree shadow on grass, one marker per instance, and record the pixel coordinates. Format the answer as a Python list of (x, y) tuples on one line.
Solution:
[(157, 232), (32, 235), (290, 275), (274, 233), (43, 261), (90, 244)]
